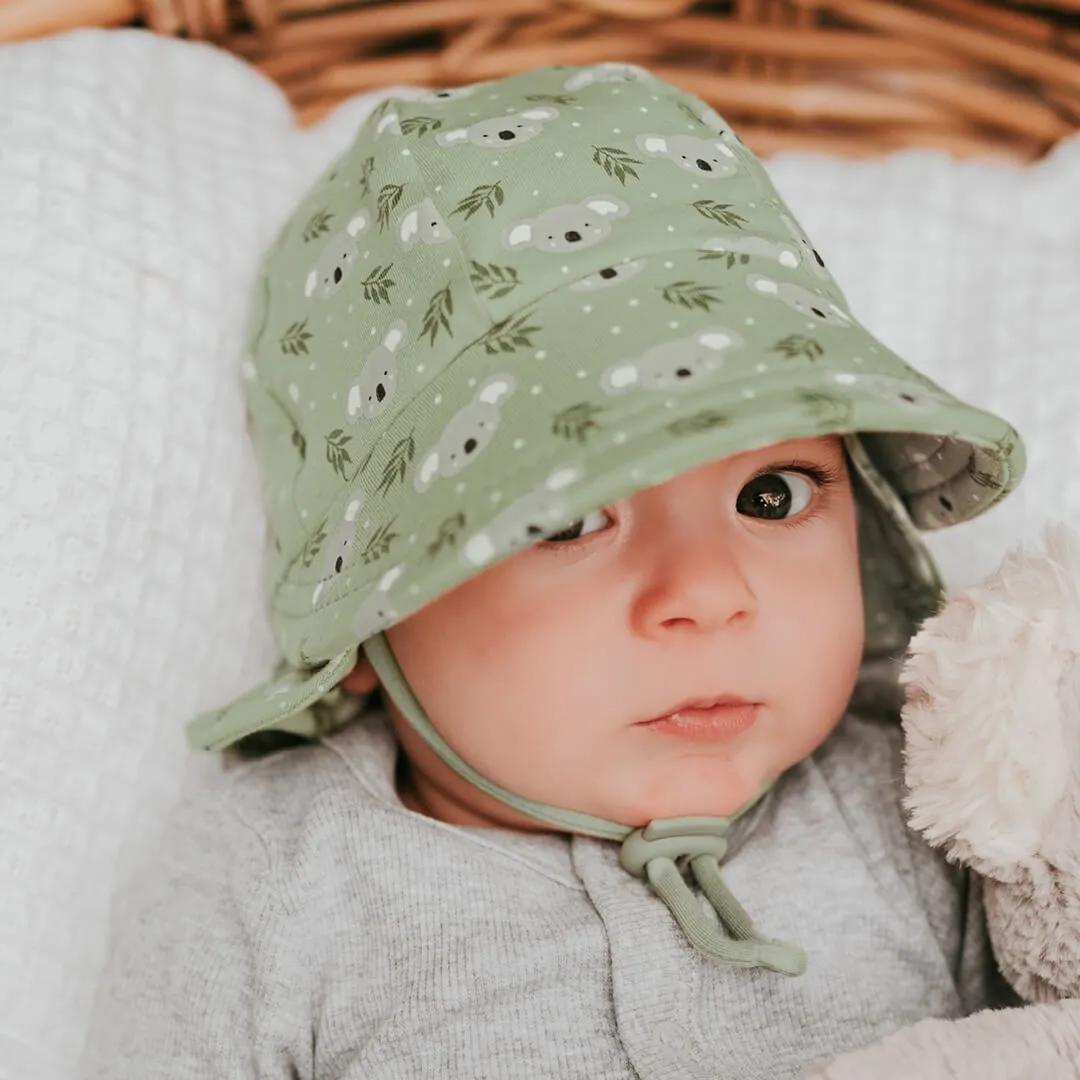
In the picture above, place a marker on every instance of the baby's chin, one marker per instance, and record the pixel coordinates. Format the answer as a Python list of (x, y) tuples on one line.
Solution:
[(694, 788)]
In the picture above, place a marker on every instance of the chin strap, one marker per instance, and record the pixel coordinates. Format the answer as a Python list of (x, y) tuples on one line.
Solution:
[(656, 853)]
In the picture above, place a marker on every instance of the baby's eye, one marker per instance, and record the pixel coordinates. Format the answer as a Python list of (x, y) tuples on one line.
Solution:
[(590, 523), (775, 495)]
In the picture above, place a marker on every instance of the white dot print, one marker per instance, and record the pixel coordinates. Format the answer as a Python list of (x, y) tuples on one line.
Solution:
[(350, 307), (420, 368), (535, 389), (643, 109), (575, 123), (582, 374), (496, 496), (303, 513), (857, 360), (414, 589), (294, 391), (749, 320), (438, 187), (472, 382), (495, 162), (620, 437), (438, 399), (668, 265), (460, 488), (535, 193), (406, 152), (408, 303), (559, 153), (446, 262), (674, 325), (540, 354), (616, 329), (587, 308), (671, 228), (761, 368), (653, 195), (634, 302), (412, 538), (616, 131), (748, 393), (519, 443)]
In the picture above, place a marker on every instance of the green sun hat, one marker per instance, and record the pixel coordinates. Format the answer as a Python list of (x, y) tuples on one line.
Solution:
[(509, 304)]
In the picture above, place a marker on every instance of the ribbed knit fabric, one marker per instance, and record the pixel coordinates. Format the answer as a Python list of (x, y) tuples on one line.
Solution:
[(303, 925)]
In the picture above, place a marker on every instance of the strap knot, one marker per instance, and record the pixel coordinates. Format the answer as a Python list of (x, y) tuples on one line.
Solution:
[(673, 838)]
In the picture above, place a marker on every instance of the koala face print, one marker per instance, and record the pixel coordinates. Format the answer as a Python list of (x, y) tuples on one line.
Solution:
[(526, 520), (802, 300), (710, 158), (377, 612), (451, 93), (336, 260), (914, 399), (422, 222), (813, 259), (784, 254), (468, 432), (335, 553), (508, 130), (608, 72), (567, 227), (672, 364), (610, 275), (371, 393)]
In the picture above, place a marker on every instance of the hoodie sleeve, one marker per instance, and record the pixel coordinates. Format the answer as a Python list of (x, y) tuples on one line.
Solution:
[(192, 987)]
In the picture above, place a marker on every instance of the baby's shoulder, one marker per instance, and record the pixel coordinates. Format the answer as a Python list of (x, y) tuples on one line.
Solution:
[(307, 797)]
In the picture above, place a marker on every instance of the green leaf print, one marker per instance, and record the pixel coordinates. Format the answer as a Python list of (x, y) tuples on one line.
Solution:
[(389, 197), (496, 281), (705, 420), (440, 306), (448, 533), (378, 283), (732, 258), (615, 162), (720, 212), (798, 345), (313, 545), (690, 112), (577, 421), (485, 196), (337, 453), (365, 176), (690, 294), (507, 334), (552, 99), (364, 464), (379, 543), (830, 410), (394, 469), (294, 340), (318, 223), (419, 125)]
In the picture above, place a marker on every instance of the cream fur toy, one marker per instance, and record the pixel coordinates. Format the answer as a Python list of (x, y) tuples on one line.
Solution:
[(992, 763)]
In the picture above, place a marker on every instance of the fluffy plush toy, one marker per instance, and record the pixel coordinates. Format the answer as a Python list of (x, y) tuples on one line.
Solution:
[(992, 764)]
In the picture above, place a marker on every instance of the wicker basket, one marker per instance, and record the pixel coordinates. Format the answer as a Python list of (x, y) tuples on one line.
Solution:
[(854, 77)]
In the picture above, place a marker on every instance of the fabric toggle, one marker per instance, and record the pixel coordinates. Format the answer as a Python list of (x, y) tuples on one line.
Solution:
[(660, 851)]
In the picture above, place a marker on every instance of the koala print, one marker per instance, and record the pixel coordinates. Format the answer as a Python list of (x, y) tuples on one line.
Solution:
[(608, 72), (468, 432), (567, 227), (336, 551), (817, 263), (376, 612), (713, 120), (610, 275), (710, 158), (370, 394), (423, 222), (501, 130), (672, 364), (336, 259), (914, 399), (785, 254), (802, 300), (388, 121), (530, 518), (454, 93)]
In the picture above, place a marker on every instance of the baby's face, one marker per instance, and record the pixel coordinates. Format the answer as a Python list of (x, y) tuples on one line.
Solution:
[(740, 577)]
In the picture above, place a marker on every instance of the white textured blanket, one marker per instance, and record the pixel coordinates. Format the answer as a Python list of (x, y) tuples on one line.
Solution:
[(139, 179)]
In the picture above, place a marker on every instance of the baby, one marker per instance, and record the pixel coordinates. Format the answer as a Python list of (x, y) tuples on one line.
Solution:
[(593, 548)]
